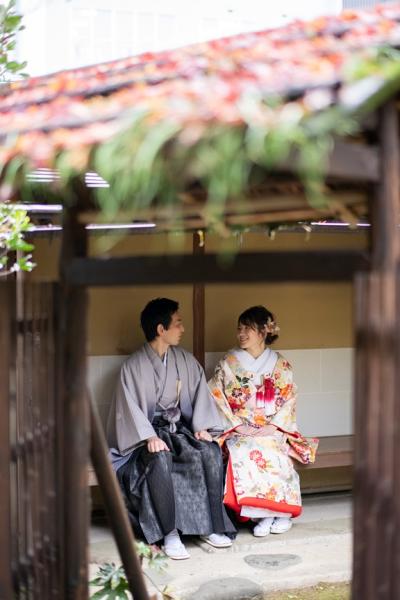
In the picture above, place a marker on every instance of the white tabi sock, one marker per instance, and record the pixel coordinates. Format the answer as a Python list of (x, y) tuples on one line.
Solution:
[(173, 546)]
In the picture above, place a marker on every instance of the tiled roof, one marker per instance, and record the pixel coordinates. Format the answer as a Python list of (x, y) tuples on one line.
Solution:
[(182, 94)]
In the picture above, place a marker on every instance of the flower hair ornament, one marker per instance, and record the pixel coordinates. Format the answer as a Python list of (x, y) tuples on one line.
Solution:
[(272, 327)]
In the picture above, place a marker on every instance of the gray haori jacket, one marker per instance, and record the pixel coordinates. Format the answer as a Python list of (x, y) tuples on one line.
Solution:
[(146, 380)]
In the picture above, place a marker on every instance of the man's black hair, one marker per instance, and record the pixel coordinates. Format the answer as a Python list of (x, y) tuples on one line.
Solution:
[(157, 312)]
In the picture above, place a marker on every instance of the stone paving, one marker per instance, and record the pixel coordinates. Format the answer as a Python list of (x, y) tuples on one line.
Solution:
[(317, 548)]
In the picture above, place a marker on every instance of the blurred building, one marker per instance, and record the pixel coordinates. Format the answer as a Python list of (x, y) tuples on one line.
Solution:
[(362, 3), (64, 34)]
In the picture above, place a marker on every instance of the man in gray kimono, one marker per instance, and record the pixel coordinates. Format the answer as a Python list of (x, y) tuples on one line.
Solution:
[(168, 467)]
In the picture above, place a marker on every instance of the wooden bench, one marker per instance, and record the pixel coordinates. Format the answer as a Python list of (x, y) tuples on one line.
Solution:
[(334, 451)]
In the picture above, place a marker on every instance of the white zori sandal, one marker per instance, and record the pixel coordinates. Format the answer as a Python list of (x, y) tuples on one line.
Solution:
[(281, 525), (263, 527), (217, 540), (173, 546)]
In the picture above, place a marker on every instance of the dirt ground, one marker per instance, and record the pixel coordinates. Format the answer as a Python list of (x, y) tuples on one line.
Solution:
[(321, 591)]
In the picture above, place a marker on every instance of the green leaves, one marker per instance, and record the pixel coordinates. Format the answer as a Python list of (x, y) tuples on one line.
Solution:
[(156, 559), (10, 25), (14, 223), (112, 580), (155, 162), (12, 21), (378, 60), (114, 595), (113, 583), (172, 158)]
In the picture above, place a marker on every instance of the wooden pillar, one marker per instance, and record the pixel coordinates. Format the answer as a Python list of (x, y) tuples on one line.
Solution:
[(199, 306), (116, 510), (74, 409), (7, 356), (377, 401)]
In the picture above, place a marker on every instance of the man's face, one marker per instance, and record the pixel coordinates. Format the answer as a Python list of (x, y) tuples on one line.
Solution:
[(173, 334)]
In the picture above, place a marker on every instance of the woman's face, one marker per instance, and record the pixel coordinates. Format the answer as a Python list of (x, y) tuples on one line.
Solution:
[(249, 337)]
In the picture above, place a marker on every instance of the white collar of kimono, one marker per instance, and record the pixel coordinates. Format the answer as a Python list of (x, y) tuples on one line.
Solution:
[(262, 365)]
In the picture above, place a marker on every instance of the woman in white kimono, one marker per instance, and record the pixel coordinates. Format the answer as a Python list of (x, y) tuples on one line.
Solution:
[(254, 390)]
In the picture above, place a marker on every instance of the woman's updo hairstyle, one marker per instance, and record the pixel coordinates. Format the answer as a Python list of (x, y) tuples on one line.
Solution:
[(260, 318)]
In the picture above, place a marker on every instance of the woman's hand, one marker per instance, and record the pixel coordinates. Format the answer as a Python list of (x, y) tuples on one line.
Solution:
[(203, 435), (155, 444)]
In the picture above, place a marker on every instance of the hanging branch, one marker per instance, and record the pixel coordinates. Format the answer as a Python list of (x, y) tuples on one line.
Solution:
[(10, 25), (14, 222)]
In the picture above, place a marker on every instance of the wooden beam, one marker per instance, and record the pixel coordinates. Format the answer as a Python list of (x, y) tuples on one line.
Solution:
[(353, 161), (199, 305), (211, 268), (74, 410), (348, 161), (261, 201), (250, 218)]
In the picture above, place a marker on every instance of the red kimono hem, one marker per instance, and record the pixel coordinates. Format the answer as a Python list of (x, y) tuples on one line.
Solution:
[(231, 501)]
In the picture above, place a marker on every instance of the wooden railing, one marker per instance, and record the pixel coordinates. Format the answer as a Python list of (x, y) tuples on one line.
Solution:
[(31, 514)]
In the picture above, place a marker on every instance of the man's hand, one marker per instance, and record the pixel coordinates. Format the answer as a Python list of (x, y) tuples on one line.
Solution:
[(154, 444), (203, 435)]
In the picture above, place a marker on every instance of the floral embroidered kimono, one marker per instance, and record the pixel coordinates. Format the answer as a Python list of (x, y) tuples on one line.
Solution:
[(261, 479)]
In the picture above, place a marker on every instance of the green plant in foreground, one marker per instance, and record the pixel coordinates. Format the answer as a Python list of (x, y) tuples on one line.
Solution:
[(14, 223), (112, 579), (10, 25)]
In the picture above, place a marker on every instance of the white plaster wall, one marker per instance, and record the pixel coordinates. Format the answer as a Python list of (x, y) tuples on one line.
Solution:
[(323, 377)]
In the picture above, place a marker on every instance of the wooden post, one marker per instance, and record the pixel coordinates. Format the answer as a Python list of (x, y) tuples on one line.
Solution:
[(198, 306), (75, 410), (395, 555), (377, 402), (385, 205), (82, 433), (115, 508), (7, 350)]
